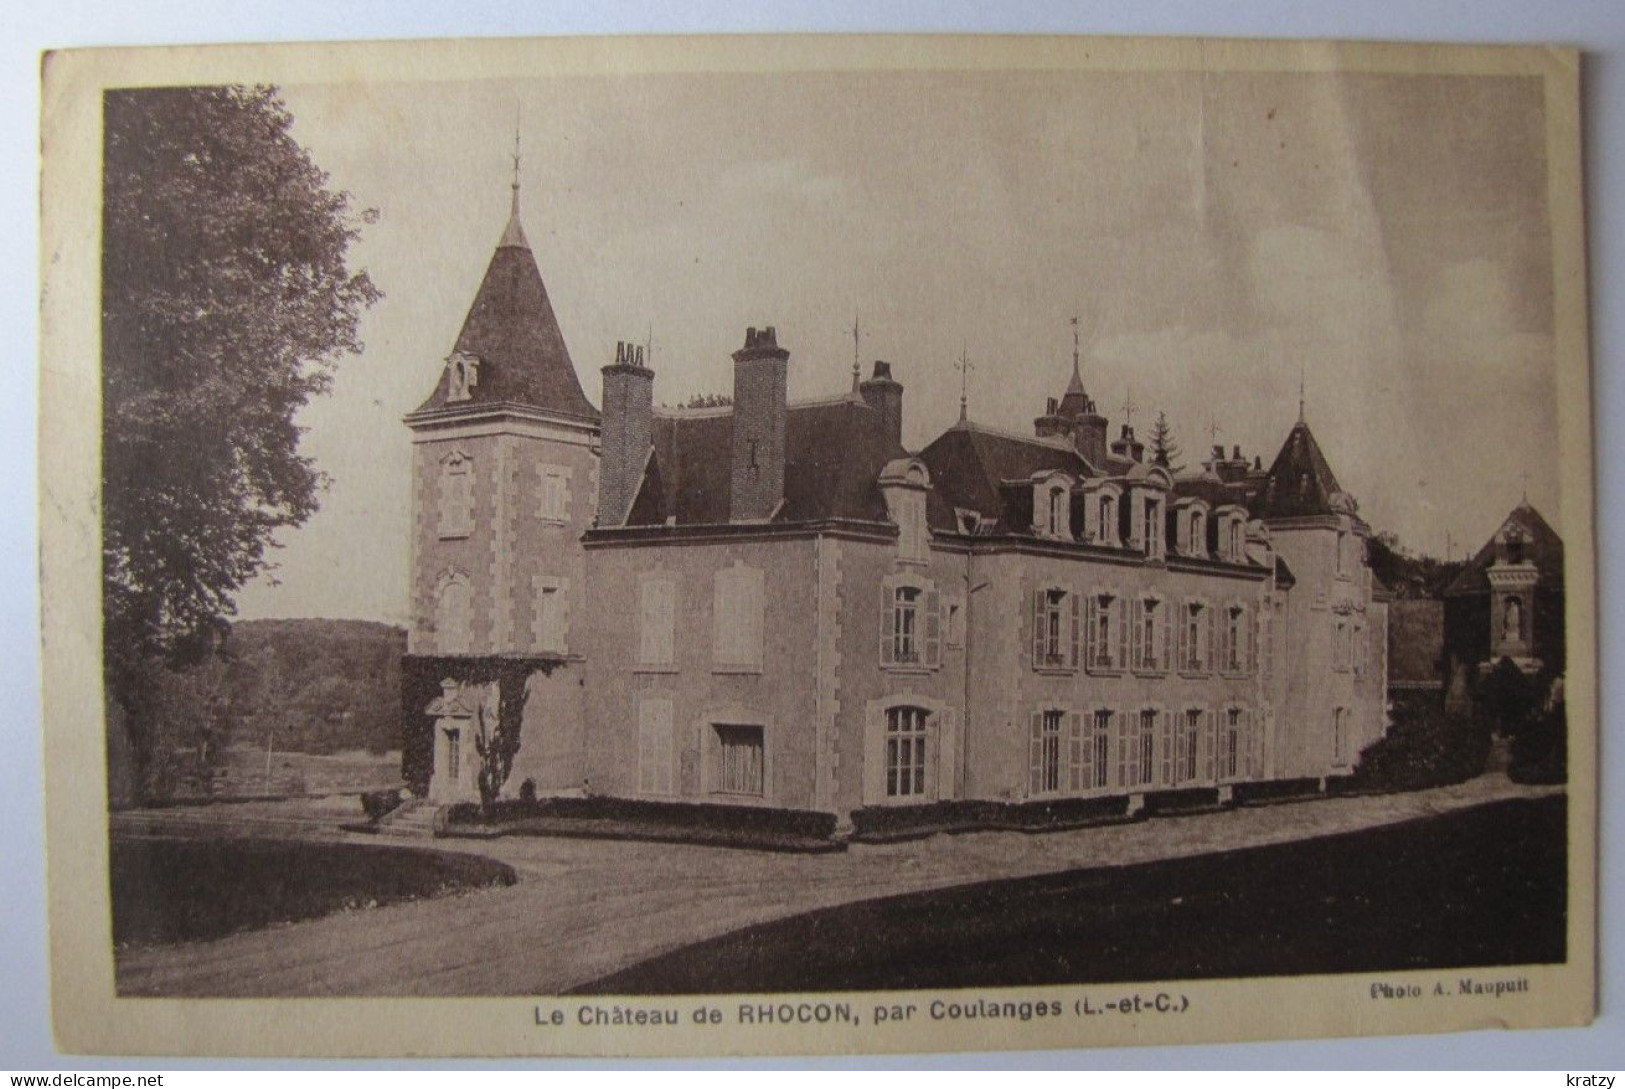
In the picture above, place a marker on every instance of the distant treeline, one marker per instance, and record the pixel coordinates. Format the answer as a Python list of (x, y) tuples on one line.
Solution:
[(317, 686)]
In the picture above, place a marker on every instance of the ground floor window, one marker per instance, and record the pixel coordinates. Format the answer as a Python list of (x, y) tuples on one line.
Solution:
[(1190, 741), (1046, 770), (740, 759), (1137, 748), (1095, 751), (1230, 745), (905, 752)]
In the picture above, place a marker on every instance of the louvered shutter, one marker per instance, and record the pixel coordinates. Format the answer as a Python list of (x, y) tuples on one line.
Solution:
[(933, 629), (1138, 624), (947, 784), (1184, 643), (1205, 747), (1164, 730), (1121, 608), (1207, 638), (1223, 656), (1035, 774), (1255, 636), (1165, 629), (1077, 758), (1129, 731), (888, 620), (1091, 647), (1072, 622), (874, 759), (1036, 615)]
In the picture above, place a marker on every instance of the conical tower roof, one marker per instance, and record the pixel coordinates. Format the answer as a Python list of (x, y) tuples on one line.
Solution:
[(1300, 483), (512, 330)]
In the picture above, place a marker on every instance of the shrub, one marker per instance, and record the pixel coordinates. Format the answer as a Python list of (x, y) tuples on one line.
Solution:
[(527, 790), (1540, 751), (379, 803), (1424, 749)]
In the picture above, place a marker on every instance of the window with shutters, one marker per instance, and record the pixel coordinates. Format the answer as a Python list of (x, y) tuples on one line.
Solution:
[(905, 752), (1092, 760), (1151, 635), (657, 622), (1057, 512), (1193, 639), (1136, 748), (456, 495), (740, 759), (911, 626), (1359, 649), (1340, 646), (555, 497), (1264, 646), (1107, 631), (1146, 742), (1045, 777), (1233, 653), (656, 749), (1055, 632), (736, 620)]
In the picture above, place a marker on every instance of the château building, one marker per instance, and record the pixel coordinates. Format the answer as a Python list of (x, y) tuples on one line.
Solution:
[(775, 603)]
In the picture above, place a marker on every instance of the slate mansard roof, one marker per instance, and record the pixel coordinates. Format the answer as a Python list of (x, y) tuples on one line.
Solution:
[(834, 452), (512, 330)]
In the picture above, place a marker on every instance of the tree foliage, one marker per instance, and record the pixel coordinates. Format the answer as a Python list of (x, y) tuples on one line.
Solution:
[(226, 302), (1406, 574), (1164, 451)]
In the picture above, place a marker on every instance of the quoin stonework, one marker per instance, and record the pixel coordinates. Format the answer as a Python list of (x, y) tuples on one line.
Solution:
[(775, 604)]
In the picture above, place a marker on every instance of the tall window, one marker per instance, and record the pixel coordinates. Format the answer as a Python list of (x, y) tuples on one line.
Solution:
[(1057, 523), (739, 759), (1190, 734), (911, 627), (737, 619), (549, 628), (1340, 646), (1046, 752), (656, 752), (1151, 532), (1147, 745), (1191, 638), (1150, 635), (906, 625), (1360, 643), (1106, 521), (1235, 633), (1196, 534), (1054, 628), (1106, 633), (905, 752), (1230, 744), (657, 621), (1342, 554), (456, 495), (1098, 746)]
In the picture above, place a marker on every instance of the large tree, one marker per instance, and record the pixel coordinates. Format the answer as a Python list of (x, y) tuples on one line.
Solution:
[(226, 302), (1164, 451)]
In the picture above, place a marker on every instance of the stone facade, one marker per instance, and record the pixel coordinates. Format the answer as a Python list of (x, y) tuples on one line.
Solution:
[(776, 605)]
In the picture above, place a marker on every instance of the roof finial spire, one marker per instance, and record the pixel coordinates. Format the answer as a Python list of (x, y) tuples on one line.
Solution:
[(1300, 393), (1076, 351), (516, 160), (964, 367), (1129, 407)]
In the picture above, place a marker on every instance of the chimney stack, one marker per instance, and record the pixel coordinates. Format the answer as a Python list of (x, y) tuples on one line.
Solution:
[(1127, 446), (885, 395), (761, 372), (628, 431)]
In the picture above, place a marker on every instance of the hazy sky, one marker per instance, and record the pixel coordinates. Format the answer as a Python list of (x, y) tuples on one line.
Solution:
[(1218, 234)]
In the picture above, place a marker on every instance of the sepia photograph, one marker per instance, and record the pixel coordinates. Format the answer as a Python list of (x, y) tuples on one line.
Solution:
[(817, 545)]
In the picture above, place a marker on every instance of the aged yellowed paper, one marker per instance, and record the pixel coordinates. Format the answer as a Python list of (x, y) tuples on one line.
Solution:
[(814, 545)]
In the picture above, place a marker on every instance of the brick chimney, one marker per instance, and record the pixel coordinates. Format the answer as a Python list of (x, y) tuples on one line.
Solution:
[(1129, 447), (885, 396), (761, 369), (628, 430)]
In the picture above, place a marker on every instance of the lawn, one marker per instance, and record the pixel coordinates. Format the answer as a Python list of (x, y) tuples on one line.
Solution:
[(1481, 887), (173, 890)]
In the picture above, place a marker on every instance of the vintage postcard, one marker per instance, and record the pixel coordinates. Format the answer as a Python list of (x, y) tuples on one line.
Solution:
[(814, 545)]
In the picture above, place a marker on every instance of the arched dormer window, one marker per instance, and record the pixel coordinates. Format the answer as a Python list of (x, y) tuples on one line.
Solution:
[(462, 375), (1190, 524), (1052, 506), (1101, 515), (904, 483)]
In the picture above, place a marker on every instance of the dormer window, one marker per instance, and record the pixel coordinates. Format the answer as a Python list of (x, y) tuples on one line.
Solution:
[(1196, 534), (969, 521), (1052, 507), (1106, 519), (462, 375), (1057, 512), (1151, 529)]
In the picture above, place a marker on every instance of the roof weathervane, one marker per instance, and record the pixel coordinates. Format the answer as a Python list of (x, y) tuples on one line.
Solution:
[(1213, 431), (1129, 408), (1076, 352), (1300, 392)]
